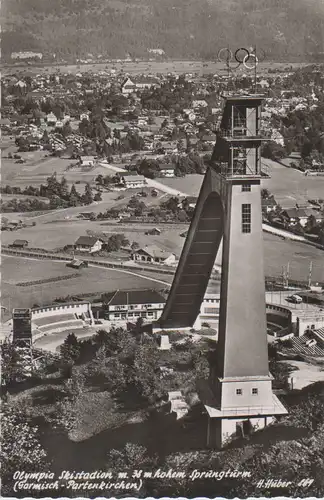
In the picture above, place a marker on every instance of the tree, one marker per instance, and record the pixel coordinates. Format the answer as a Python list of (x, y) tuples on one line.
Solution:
[(10, 371), (134, 245), (132, 456), (311, 224), (99, 179), (87, 197), (145, 373), (64, 189), (70, 349), (73, 196), (97, 197), (308, 413), (115, 242), (66, 129), (20, 446)]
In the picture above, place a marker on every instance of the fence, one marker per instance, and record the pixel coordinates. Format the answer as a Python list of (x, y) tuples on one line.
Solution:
[(65, 258)]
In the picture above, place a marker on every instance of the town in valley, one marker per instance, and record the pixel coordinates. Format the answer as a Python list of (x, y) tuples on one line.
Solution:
[(102, 166)]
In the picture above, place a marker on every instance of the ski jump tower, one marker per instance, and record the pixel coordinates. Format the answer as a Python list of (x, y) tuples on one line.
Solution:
[(239, 394)]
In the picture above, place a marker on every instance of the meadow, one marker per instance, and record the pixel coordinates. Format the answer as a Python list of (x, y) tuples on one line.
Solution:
[(91, 280), (289, 186), (38, 167), (141, 67)]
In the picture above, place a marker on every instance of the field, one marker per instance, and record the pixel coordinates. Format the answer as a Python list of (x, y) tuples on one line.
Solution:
[(91, 280), (56, 234), (189, 184), (291, 186), (140, 67), (278, 253), (38, 168), (288, 185)]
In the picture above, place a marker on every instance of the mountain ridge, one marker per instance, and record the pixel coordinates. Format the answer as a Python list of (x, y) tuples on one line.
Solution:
[(285, 29)]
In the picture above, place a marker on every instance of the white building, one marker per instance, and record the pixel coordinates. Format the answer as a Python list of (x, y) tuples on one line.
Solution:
[(153, 254), (51, 119), (167, 170), (134, 181), (88, 244), (87, 161), (129, 305)]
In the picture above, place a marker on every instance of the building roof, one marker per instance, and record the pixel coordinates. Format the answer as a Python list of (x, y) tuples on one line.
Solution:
[(146, 80), (125, 297), (133, 178), (155, 252), (319, 333), (87, 157), (209, 137), (20, 242), (166, 166), (87, 240), (295, 213)]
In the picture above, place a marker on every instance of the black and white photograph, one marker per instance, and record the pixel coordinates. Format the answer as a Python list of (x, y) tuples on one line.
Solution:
[(162, 249)]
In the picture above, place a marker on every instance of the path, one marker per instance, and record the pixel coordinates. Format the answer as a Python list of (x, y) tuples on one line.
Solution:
[(305, 373)]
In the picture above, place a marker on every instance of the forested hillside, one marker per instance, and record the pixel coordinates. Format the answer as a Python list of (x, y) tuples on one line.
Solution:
[(286, 29)]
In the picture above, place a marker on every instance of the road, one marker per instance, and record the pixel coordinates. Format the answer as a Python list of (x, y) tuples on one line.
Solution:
[(279, 298)]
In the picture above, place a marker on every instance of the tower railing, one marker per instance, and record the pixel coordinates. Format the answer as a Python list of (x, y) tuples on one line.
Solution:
[(253, 410), (238, 133)]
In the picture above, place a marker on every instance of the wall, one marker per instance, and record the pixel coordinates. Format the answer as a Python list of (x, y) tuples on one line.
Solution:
[(52, 310), (305, 322), (229, 398)]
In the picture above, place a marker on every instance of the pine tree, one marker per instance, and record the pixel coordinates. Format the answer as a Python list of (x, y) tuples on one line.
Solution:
[(64, 189), (87, 198), (73, 196)]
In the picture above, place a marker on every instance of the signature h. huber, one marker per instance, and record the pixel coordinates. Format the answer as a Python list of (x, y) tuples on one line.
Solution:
[(280, 483)]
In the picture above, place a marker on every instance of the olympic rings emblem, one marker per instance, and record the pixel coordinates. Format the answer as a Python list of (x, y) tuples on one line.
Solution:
[(248, 58)]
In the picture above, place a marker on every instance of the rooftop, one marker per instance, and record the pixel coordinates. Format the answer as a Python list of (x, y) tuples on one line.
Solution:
[(155, 252), (125, 297), (86, 240)]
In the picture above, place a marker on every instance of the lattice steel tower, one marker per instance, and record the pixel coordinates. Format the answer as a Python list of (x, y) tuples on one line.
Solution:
[(229, 207)]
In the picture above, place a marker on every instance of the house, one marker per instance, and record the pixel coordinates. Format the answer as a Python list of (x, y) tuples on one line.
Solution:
[(268, 205), (168, 146), (154, 232), (209, 139), (128, 86), (19, 244), (190, 201), (199, 103), (51, 119), (133, 181), (21, 84), (84, 116), (146, 83), (89, 244), (87, 161), (319, 217), (153, 254), (167, 169), (295, 215), (129, 305)]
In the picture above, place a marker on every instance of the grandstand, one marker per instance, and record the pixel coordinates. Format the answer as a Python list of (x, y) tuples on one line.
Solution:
[(299, 346), (60, 317)]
